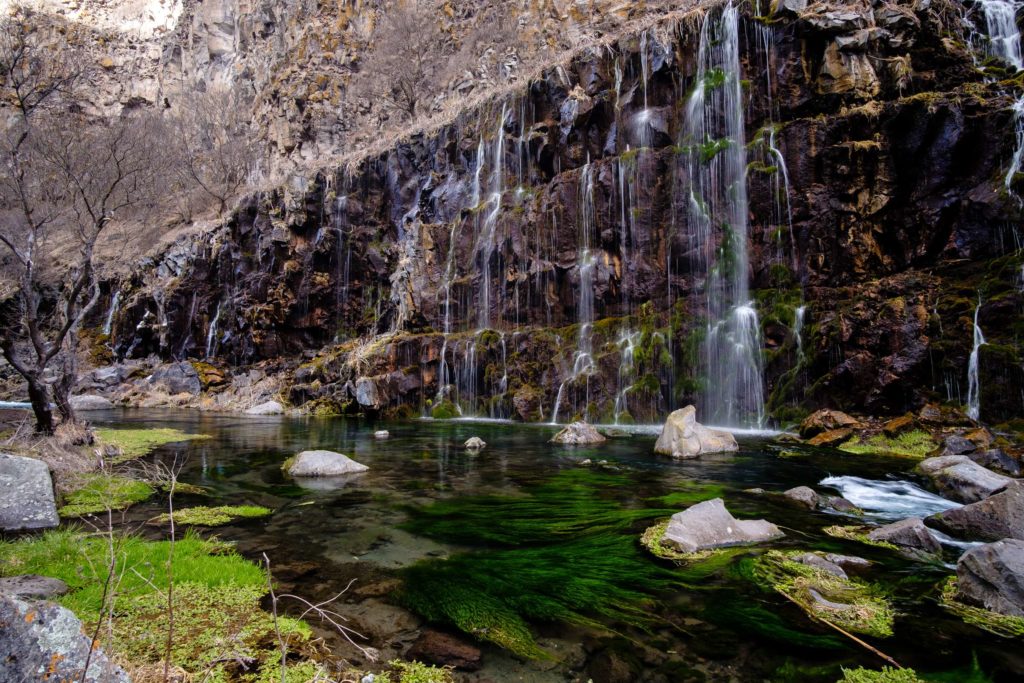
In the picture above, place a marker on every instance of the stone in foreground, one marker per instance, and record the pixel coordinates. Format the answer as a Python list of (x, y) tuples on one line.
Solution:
[(322, 464), (32, 586), (90, 402), (578, 434), (475, 443), (709, 525), (49, 644), (959, 478), (26, 495), (267, 408), (684, 437), (998, 517), (992, 576)]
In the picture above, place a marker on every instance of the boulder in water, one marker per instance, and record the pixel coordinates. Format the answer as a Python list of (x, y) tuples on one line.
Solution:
[(322, 464), (26, 494), (709, 525), (826, 421), (578, 434), (961, 479), (802, 496), (992, 576), (831, 439), (909, 535), (684, 437), (381, 434), (996, 518), (47, 642), (90, 402), (267, 408), (475, 443)]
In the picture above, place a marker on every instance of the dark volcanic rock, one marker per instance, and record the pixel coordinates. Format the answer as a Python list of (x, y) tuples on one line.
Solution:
[(802, 496), (993, 519), (909, 535), (997, 459), (992, 576), (177, 378)]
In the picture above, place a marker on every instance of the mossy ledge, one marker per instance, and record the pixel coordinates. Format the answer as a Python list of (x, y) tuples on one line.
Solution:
[(96, 493), (652, 537), (211, 516), (1003, 625), (136, 443)]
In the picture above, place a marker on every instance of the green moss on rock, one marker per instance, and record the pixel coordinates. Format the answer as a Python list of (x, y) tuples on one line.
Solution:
[(211, 516)]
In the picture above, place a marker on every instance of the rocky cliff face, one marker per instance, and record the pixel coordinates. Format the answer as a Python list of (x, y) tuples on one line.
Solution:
[(448, 273)]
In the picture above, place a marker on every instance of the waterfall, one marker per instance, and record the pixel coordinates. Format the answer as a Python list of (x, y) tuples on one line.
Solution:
[(487, 235), (627, 371), (108, 324), (798, 328), (211, 334), (1003, 34), (973, 381), (734, 393), (583, 360), (1018, 154)]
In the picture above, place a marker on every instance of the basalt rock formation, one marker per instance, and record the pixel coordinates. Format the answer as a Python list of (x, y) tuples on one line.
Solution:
[(546, 253)]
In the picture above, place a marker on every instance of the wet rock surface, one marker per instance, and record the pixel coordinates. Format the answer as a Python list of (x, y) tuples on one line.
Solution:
[(959, 478), (709, 525), (683, 437), (997, 517), (267, 408), (443, 649), (910, 535), (578, 434), (322, 464), (992, 576), (26, 494)]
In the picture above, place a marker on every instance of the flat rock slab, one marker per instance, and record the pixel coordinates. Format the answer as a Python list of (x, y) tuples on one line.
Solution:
[(579, 434), (322, 464), (709, 525), (959, 478), (993, 519), (267, 408), (90, 402), (992, 576), (32, 586), (684, 437), (50, 645), (26, 494)]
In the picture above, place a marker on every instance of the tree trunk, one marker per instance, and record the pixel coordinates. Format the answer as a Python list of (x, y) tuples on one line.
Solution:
[(40, 398), (65, 384)]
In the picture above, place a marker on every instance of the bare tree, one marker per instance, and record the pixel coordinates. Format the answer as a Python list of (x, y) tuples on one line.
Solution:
[(216, 152), (64, 180)]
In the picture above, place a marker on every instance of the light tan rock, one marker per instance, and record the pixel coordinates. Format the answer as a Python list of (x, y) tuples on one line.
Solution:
[(684, 437)]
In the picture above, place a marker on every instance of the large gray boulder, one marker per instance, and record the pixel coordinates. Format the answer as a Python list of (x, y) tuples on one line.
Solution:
[(993, 519), (177, 378), (684, 437), (709, 525), (32, 586), (959, 478), (46, 642), (997, 459), (910, 535), (267, 408), (322, 464), (992, 576), (26, 494), (90, 402), (367, 394), (578, 434)]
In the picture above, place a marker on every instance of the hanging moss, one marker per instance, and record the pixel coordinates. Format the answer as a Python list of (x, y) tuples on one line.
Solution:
[(1003, 625), (847, 603)]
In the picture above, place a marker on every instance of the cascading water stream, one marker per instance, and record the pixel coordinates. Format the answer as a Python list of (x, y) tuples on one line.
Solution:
[(734, 393), (627, 371), (973, 381), (1018, 154), (1003, 34), (211, 334), (108, 324), (798, 328), (489, 228)]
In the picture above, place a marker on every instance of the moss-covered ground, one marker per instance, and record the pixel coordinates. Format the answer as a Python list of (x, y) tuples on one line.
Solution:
[(914, 444), (1003, 625), (135, 443), (96, 493), (211, 516)]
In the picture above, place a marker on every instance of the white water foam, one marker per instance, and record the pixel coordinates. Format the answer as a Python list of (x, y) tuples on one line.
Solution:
[(889, 500)]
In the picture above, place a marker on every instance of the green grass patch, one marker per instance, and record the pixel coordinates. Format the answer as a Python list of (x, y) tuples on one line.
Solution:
[(217, 596), (95, 493), (135, 443), (1003, 625), (211, 516), (562, 552), (914, 444), (850, 604)]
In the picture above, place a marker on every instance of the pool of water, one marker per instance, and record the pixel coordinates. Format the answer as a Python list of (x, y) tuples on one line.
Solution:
[(525, 527)]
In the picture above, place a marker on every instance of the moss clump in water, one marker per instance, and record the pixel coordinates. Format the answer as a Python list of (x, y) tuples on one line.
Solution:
[(97, 493), (913, 444), (564, 554), (217, 597), (850, 604), (886, 675), (135, 443), (211, 516), (858, 534), (445, 410), (1003, 625)]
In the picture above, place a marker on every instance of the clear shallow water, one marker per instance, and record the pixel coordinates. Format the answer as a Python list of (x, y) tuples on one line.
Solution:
[(714, 625)]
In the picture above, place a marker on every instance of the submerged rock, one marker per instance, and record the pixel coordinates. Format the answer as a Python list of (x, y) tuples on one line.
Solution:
[(993, 519), (961, 479), (684, 437), (826, 421), (909, 535), (26, 494), (267, 408), (50, 644), (475, 443), (90, 402), (820, 562), (992, 576), (578, 434), (322, 464), (443, 649), (709, 525)]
